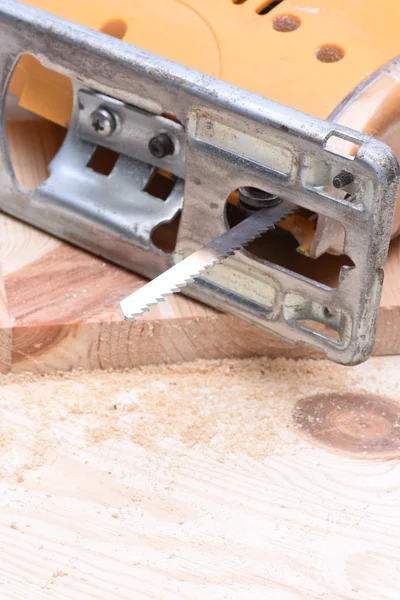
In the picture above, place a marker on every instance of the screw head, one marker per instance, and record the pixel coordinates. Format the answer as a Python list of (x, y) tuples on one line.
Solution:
[(342, 179), (161, 145), (103, 122), (328, 312)]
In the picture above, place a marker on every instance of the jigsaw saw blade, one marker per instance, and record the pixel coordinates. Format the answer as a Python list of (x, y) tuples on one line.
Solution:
[(188, 269)]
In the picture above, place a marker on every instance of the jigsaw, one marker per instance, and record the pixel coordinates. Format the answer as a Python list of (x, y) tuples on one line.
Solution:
[(248, 151)]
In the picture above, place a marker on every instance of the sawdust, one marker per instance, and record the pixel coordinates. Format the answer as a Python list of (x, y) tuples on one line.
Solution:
[(230, 406)]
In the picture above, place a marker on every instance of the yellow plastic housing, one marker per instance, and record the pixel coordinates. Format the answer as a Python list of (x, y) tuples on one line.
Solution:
[(306, 54)]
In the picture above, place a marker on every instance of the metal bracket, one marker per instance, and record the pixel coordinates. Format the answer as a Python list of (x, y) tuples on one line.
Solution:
[(224, 138), (133, 130)]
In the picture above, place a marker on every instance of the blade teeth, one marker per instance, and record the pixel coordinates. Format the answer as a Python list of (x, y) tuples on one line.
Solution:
[(149, 305), (154, 302), (177, 288), (211, 263)]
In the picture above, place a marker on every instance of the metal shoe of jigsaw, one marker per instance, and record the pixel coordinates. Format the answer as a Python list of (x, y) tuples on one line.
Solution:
[(273, 113)]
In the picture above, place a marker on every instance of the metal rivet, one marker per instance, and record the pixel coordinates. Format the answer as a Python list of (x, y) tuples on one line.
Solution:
[(103, 122), (344, 178), (161, 145)]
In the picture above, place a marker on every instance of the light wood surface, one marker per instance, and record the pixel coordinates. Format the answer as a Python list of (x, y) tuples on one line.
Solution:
[(59, 306), (234, 480)]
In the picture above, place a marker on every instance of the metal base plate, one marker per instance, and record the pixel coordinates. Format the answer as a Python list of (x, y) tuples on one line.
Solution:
[(224, 138)]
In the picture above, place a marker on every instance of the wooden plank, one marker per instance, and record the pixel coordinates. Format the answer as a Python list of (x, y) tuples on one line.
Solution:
[(60, 306), (223, 480)]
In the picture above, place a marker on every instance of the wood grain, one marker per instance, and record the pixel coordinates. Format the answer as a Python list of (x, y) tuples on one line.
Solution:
[(197, 481), (59, 306)]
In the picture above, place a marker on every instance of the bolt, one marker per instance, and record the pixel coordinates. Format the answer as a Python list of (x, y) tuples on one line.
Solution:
[(328, 313), (103, 122), (251, 198), (161, 145), (344, 178)]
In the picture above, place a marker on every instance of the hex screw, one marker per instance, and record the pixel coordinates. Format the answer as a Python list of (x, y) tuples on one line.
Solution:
[(328, 313), (344, 178), (161, 145), (103, 122)]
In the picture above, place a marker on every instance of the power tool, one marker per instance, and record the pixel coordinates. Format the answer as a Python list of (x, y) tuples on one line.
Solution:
[(248, 151)]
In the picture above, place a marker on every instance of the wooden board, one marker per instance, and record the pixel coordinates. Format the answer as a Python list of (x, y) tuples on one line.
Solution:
[(59, 306), (224, 481)]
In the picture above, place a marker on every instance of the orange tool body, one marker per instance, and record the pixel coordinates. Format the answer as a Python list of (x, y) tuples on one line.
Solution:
[(333, 163)]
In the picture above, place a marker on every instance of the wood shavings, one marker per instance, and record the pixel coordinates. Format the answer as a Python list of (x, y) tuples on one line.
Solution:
[(231, 406), (192, 481)]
